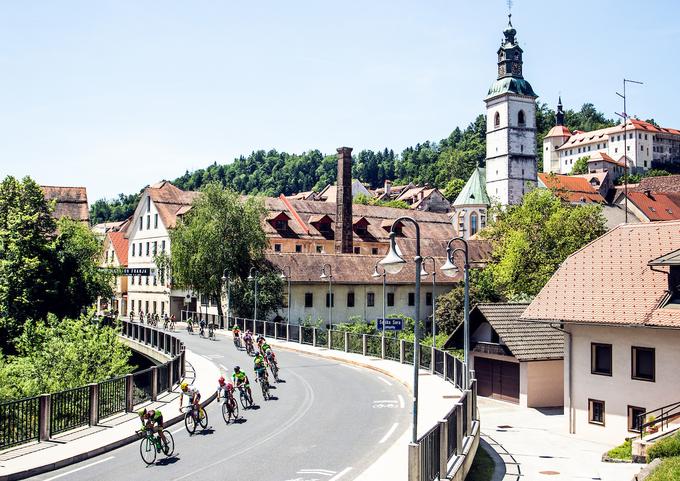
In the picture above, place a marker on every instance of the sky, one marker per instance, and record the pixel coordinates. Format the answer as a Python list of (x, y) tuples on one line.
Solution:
[(116, 95)]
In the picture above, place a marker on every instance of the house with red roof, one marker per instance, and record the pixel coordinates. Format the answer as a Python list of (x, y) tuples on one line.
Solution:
[(115, 256), (617, 303)]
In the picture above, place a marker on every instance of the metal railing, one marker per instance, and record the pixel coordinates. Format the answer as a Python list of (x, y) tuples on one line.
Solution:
[(38, 418), (429, 453), (665, 415)]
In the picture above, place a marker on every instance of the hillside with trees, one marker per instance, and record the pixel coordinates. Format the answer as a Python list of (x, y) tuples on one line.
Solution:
[(445, 164)]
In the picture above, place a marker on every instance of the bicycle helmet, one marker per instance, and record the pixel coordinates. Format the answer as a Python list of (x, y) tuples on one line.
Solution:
[(184, 386), (221, 380), (237, 368), (141, 412)]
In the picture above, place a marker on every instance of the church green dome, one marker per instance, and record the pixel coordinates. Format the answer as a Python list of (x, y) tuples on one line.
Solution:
[(511, 85)]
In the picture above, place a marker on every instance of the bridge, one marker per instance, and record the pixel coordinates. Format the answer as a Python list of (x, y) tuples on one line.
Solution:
[(341, 412)]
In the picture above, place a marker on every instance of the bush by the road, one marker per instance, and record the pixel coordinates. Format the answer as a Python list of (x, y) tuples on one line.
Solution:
[(669, 470), (665, 448)]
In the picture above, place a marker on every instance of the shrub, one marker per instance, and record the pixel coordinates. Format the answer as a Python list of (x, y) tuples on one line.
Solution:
[(624, 451), (665, 448), (669, 470)]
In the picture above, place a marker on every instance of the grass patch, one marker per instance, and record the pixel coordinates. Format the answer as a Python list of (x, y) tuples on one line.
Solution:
[(665, 448), (482, 467), (624, 451), (669, 470)]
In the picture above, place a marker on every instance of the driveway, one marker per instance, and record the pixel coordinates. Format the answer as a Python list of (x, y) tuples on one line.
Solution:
[(534, 445)]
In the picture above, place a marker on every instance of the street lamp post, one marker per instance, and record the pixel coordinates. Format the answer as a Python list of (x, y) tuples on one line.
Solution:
[(424, 274), (287, 277), (329, 276), (375, 275), (393, 263), (225, 280), (250, 278), (450, 270)]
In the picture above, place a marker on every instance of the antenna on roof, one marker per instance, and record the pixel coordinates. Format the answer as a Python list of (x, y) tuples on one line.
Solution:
[(624, 116)]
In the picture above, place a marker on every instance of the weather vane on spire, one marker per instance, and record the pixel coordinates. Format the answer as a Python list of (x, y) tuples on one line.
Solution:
[(510, 12)]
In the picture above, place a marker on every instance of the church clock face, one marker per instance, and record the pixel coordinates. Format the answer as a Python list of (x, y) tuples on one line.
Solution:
[(516, 69), (501, 70)]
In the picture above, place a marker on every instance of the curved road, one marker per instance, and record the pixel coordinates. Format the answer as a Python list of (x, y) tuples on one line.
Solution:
[(329, 422)]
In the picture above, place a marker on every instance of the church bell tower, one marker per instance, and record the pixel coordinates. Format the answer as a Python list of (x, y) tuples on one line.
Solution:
[(510, 127)]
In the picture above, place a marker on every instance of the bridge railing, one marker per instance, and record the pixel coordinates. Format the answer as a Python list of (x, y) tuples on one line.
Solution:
[(443, 449), (41, 417)]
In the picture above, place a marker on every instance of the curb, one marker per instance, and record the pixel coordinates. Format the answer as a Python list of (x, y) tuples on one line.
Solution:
[(93, 453)]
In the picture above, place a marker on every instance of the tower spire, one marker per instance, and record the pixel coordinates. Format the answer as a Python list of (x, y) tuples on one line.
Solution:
[(559, 115)]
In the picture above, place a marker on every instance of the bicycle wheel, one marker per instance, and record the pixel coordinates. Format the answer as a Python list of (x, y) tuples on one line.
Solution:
[(169, 447), (243, 397), (189, 422), (275, 371), (265, 390), (203, 418), (234, 408), (225, 412), (147, 450)]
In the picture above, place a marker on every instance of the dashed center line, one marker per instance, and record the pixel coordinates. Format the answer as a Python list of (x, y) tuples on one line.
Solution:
[(401, 401), (80, 468), (341, 474), (385, 381)]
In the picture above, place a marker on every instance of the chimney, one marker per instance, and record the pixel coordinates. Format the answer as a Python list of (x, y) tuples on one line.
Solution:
[(388, 187), (344, 235)]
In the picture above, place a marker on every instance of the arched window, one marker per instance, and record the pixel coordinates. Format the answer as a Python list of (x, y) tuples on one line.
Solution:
[(520, 117), (473, 223), (497, 120)]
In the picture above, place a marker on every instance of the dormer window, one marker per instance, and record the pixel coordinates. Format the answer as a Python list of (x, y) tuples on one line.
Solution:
[(388, 224), (280, 224), (279, 221), (322, 223), (361, 227)]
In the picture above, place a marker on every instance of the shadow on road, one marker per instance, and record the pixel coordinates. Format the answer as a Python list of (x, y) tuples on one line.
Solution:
[(167, 461)]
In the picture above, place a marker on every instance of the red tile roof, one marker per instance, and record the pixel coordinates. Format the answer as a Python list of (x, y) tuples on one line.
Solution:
[(609, 281), (571, 188), (559, 131), (657, 207), (170, 201), (664, 184), (120, 246)]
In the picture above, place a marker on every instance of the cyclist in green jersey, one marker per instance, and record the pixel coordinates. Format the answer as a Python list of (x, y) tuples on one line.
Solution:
[(260, 366), (241, 380), (152, 419)]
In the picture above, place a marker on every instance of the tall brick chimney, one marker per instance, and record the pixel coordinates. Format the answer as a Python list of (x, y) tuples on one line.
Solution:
[(344, 234)]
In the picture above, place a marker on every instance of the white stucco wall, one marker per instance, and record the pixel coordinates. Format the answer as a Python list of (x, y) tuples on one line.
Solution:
[(620, 390)]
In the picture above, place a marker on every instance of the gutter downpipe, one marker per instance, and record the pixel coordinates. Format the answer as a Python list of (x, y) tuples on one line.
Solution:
[(572, 427)]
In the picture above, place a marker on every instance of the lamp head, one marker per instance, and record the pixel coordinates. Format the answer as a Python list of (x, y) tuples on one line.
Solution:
[(423, 272), (323, 274), (250, 277), (449, 268), (375, 274), (393, 263), (282, 276), (224, 278)]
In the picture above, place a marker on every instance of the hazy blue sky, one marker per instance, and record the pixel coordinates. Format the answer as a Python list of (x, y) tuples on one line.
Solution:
[(114, 95)]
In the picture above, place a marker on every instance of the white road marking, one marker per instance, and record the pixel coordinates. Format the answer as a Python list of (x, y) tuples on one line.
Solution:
[(224, 367), (341, 473), (401, 401), (213, 356), (176, 431), (323, 472), (385, 381), (80, 468), (389, 433), (351, 367)]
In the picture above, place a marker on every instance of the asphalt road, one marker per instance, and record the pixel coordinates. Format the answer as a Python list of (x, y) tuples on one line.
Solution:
[(329, 422)]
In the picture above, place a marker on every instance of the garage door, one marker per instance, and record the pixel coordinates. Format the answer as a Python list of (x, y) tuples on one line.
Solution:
[(497, 379)]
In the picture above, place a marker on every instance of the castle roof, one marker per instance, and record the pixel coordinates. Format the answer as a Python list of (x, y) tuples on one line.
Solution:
[(474, 192)]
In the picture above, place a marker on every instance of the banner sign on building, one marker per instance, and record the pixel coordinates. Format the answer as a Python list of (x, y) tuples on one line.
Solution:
[(131, 271)]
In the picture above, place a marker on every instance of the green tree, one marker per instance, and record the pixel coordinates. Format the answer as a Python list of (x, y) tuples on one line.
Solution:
[(269, 292), (220, 232), (59, 354), (530, 240), (580, 166), (453, 188)]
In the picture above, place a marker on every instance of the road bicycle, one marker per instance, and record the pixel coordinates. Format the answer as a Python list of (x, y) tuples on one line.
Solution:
[(237, 342), (152, 444), (274, 367), (245, 398), (211, 331), (201, 330), (229, 408), (250, 350), (190, 327), (264, 385), (192, 418)]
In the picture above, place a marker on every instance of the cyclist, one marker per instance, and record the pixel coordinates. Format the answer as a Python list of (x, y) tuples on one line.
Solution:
[(260, 367), (201, 323), (190, 322), (132, 316), (224, 388), (262, 345), (248, 340), (237, 335), (241, 381), (153, 419), (193, 394), (172, 322)]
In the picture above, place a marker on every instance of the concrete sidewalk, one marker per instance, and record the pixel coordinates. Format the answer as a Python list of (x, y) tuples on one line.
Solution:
[(436, 398), (534, 445), (86, 442)]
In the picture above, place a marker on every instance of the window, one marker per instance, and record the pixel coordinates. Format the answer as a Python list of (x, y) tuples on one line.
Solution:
[(309, 299), (132, 305), (428, 298), (146, 303), (350, 299), (330, 300), (643, 367), (147, 280), (204, 300), (162, 307), (645, 136), (148, 209), (281, 225), (140, 249), (148, 222), (139, 280), (298, 248), (163, 246), (155, 221), (154, 307), (630, 136), (133, 249), (520, 118), (370, 299), (601, 359), (497, 120), (319, 249), (357, 250), (473, 223), (628, 148), (141, 223), (634, 418), (277, 247), (645, 163), (132, 280), (390, 299), (616, 150), (642, 148), (155, 247), (374, 251), (147, 248), (411, 299), (154, 280), (596, 412)]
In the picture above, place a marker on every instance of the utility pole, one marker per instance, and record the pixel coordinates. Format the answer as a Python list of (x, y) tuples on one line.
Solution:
[(624, 116)]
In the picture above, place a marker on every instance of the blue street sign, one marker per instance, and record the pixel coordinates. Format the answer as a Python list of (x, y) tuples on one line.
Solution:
[(391, 324)]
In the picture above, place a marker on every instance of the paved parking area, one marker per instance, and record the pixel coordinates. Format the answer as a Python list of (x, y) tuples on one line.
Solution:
[(535, 446)]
